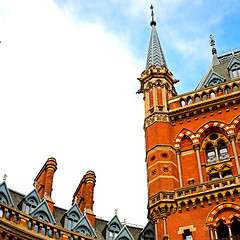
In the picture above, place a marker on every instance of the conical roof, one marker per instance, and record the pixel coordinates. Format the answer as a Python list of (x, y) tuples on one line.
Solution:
[(155, 53)]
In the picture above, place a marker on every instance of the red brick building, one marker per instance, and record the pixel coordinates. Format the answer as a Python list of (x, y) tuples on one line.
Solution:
[(192, 148)]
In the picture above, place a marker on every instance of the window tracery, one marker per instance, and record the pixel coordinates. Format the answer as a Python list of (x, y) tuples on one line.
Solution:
[(215, 147)]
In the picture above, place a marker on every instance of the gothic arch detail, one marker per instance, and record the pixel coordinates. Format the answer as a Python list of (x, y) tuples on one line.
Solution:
[(221, 125), (179, 137), (213, 218)]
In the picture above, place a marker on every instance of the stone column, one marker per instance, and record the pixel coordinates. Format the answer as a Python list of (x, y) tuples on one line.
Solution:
[(230, 231), (178, 151), (164, 227), (196, 148), (211, 233), (156, 231), (232, 139), (215, 233)]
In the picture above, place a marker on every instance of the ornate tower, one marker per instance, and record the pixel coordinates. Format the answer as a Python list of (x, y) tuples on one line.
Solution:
[(157, 86), (192, 148)]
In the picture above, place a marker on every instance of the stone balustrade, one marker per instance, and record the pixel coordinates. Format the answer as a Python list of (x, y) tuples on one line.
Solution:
[(203, 95), (195, 190)]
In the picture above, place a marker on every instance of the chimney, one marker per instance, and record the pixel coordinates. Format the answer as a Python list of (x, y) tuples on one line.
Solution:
[(84, 195), (44, 181)]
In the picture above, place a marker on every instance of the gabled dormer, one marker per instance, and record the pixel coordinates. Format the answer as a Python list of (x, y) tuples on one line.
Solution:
[(214, 79), (114, 226), (5, 196), (43, 213), (84, 227), (124, 234), (31, 201), (234, 67), (73, 215), (148, 232)]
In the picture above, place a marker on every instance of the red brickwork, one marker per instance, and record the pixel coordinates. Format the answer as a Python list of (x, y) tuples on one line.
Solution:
[(44, 181), (84, 195)]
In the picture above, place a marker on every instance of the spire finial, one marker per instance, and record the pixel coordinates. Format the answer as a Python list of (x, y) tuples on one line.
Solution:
[(116, 211), (45, 196), (35, 184), (5, 177), (212, 44), (75, 199), (85, 212), (152, 23)]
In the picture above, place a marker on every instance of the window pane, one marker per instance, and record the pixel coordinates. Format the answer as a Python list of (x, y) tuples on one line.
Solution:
[(234, 73)]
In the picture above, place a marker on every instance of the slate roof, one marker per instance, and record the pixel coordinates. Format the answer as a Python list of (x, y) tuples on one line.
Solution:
[(220, 69), (59, 214), (155, 53)]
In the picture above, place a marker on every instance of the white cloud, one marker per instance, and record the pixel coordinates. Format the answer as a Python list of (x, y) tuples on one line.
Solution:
[(66, 91)]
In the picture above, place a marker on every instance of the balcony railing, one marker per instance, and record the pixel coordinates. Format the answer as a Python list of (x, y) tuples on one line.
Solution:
[(196, 97), (195, 190)]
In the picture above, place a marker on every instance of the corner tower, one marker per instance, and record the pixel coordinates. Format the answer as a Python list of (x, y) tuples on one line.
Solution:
[(193, 148), (157, 86)]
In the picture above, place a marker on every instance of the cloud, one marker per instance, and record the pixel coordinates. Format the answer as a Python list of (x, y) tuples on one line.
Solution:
[(68, 91)]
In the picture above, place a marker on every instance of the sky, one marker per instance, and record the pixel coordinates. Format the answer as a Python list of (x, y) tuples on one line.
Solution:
[(68, 82)]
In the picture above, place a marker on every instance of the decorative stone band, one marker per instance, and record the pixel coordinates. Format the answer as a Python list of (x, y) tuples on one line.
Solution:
[(195, 137), (191, 228)]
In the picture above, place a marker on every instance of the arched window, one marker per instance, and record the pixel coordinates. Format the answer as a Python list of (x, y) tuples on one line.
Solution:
[(222, 151), (219, 91), (216, 148), (212, 94), (235, 88), (235, 227), (227, 90), (222, 230), (189, 100), (182, 102), (210, 154), (197, 99), (204, 96)]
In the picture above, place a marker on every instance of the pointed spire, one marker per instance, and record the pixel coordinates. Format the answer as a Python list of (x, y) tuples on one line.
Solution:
[(155, 53)]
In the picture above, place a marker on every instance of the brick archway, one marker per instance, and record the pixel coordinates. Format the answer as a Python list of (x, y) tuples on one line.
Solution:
[(180, 135), (220, 125), (234, 123), (231, 209)]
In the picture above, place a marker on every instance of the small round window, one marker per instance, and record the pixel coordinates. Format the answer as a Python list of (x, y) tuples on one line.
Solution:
[(164, 155), (213, 136)]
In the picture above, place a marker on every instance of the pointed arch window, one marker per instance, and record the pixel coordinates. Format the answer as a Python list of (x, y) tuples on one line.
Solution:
[(210, 154), (222, 151)]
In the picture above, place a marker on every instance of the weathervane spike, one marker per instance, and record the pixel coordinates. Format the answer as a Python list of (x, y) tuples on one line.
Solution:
[(212, 44), (152, 14), (5, 177)]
